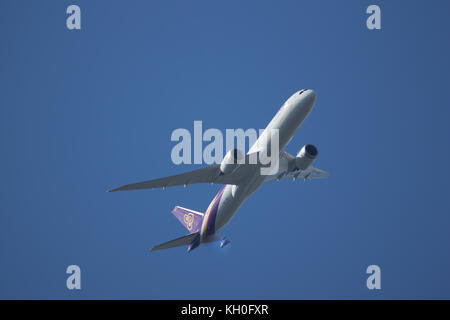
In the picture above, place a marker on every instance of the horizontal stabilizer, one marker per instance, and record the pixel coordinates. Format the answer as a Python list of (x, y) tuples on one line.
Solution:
[(182, 241)]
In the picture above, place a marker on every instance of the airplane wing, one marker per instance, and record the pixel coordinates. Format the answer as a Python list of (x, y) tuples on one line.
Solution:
[(310, 173), (209, 174)]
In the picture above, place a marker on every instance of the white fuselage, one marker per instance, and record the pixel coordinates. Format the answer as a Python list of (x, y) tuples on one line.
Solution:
[(230, 197)]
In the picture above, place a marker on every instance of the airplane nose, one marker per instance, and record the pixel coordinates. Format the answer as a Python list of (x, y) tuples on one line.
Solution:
[(308, 96), (308, 92), (303, 99)]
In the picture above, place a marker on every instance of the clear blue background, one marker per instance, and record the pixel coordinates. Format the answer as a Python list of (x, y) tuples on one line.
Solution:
[(85, 111)]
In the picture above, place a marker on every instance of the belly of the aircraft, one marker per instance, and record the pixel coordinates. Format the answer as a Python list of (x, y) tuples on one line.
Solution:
[(233, 199)]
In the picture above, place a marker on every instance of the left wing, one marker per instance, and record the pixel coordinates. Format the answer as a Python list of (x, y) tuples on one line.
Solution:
[(211, 174), (207, 174)]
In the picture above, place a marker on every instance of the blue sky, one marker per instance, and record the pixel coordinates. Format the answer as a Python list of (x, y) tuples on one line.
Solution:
[(84, 111)]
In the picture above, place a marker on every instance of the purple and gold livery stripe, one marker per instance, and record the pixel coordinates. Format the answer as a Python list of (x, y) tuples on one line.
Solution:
[(208, 227)]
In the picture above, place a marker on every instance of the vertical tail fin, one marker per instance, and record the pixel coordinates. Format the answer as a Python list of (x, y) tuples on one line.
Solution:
[(190, 219)]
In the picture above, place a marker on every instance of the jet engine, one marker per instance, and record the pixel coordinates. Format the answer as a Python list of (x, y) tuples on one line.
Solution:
[(231, 161), (305, 157)]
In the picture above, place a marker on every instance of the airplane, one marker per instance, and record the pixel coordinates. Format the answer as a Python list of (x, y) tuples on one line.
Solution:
[(240, 176)]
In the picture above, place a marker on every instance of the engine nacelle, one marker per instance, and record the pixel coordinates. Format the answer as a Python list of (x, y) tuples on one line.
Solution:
[(305, 157), (231, 161)]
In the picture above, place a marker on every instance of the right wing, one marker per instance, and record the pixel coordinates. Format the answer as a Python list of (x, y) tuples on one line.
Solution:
[(310, 173)]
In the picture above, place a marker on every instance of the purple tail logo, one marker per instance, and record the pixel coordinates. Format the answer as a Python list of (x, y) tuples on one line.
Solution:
[(189, 220)]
